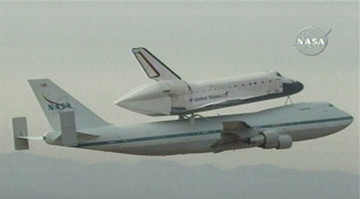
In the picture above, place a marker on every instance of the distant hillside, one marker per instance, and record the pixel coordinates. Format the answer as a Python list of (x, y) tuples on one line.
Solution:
[(25, 176)]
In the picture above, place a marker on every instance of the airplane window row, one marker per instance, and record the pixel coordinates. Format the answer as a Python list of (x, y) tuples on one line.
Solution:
[(254, 83), (235, 86)]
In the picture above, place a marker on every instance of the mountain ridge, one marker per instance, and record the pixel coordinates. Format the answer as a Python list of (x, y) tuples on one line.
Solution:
[(32, 176)]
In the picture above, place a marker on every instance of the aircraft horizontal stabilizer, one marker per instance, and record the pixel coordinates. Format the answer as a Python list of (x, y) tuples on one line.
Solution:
[(20, 133), (31, 137), (68, 134)]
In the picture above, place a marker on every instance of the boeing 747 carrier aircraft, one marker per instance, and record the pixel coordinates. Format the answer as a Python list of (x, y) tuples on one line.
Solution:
[(74, 125), (170, 95)]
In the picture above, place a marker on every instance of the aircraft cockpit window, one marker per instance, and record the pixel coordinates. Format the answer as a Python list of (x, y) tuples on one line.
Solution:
[(330, 105), (278, 74)]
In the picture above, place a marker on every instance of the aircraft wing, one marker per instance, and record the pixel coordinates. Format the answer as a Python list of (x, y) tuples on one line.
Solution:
[(233, 133), (218, 104), (153, 67), (222, 104)]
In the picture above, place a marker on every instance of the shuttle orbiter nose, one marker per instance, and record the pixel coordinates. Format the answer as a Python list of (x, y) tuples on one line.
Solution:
[(289, 86), (146, 99), (292, 88)]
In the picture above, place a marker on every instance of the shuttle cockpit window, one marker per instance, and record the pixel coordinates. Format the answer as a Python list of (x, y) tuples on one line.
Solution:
[(278, 74)]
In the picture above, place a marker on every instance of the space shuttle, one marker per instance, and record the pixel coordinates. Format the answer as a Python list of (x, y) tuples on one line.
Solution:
[(171, 95)]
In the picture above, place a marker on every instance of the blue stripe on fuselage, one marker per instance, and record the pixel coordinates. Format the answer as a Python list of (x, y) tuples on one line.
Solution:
[(198, 133)]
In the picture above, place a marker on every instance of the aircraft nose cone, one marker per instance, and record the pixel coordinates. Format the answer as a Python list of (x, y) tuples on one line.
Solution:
[(122, 101), (351, 119), (298, 86), (292, 88)]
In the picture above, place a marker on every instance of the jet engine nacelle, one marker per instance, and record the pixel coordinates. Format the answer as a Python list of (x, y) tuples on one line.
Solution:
[(272, 140)]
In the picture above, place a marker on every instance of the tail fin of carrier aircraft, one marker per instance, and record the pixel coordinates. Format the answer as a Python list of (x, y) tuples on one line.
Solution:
[(53, 100)]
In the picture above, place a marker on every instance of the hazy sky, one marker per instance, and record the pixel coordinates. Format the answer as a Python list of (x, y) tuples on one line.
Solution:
[(86, 49)]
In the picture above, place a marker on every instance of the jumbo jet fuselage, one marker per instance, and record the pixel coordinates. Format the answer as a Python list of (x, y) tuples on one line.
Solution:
[(273, 128), (74, 125)]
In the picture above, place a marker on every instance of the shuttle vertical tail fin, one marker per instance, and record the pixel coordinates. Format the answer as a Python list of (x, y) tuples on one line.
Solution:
[(153, 67), (54, 100)]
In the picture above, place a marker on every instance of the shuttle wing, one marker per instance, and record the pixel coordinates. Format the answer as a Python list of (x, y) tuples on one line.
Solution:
[(153, 67), (218, 104), (223, 103)]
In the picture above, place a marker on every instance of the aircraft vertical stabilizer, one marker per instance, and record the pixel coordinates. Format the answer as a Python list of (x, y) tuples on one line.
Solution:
[(54, 100), (153, 67)]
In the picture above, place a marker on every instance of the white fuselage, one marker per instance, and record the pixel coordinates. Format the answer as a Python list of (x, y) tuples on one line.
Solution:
[(178, 97), (301, 121)]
